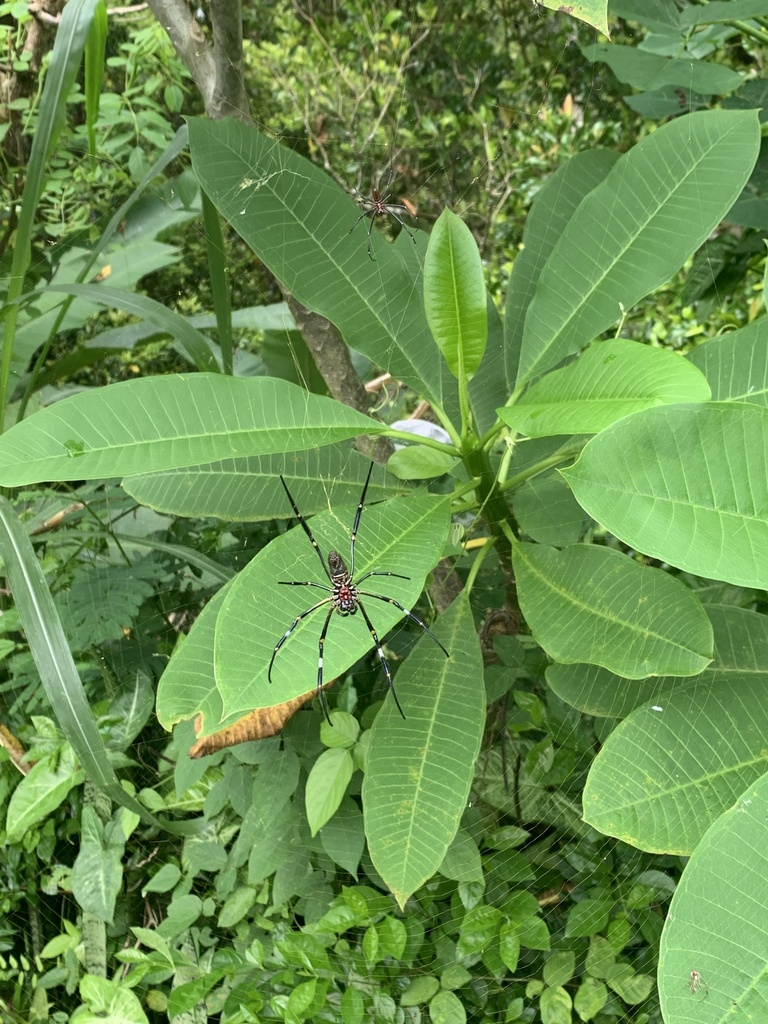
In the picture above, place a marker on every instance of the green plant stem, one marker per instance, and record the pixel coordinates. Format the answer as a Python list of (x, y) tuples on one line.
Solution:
[(506, 458), (748, 30), (94, 945), (495, 512), (475, 569), (470, 485), (490, 499), (464, 410), (490, 435), (466, 506), (404, 435), (94, 929), (446, 424), (742, 26), (508, 534), (540, 467)]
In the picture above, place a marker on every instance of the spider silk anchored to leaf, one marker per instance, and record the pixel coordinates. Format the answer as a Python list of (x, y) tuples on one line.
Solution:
[(344, 598)]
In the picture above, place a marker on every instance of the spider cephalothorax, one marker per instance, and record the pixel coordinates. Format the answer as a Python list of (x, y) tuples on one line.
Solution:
[(344, 598)]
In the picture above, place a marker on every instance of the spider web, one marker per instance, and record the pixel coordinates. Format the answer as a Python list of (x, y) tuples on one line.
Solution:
[(363, 153)]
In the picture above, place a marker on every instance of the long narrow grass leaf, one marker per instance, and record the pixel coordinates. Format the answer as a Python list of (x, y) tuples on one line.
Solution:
[(217, 267), (54, 661), (94, 72), (65, 61), (196, 344)]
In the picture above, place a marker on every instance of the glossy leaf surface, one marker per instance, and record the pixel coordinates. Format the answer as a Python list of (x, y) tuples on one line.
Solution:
[(611, 379), (160, 423), (685, 484), (593, 604), (728, 875), (419, 770), (454, 295), (635, 229)]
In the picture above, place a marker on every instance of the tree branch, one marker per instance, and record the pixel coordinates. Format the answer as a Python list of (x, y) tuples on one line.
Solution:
[(217, 71)]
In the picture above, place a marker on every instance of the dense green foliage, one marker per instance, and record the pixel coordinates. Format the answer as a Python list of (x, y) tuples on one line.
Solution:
[(584, 529)]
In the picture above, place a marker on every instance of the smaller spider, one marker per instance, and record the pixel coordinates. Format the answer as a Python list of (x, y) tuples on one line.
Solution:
[(697, 984), (344, 598), (375, 206)]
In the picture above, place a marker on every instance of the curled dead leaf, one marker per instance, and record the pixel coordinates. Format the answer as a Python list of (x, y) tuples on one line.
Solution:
[(258, 725)]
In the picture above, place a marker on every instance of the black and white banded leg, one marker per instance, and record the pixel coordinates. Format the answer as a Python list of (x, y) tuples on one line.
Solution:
[(405, 611), (293, 625), (382, 657), (320, 691)]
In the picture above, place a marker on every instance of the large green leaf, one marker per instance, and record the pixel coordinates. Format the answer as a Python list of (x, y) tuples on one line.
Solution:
[(297, 220), (195, 343), (188, 685), (669, 770), (403, 536), (97, 873), (736, 364), (592, 604), (40, 792), (552, 208), (454, 296), (547, 511), (158, 423), (610, 380), (741, 647), (248, 488), (646, 70), (723, 11), (634, 230), (686, 484), (419, 771), (717, 924)]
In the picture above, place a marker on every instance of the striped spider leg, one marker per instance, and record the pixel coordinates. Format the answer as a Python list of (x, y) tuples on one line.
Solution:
[(344, 598)]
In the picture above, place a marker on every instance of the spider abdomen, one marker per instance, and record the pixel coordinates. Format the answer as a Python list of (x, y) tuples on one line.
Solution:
[(344, 592), (337, 566)]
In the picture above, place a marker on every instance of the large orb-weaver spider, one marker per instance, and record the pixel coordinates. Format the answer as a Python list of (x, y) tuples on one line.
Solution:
[(375, 206), (344, 598)]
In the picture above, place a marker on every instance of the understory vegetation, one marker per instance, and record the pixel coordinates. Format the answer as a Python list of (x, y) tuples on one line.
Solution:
[(472, 296)]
